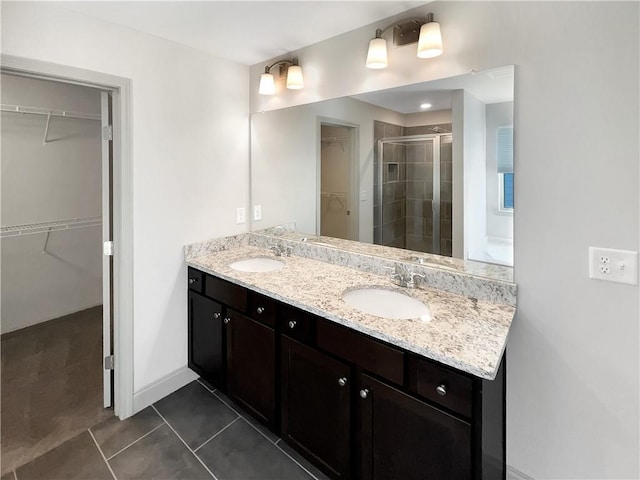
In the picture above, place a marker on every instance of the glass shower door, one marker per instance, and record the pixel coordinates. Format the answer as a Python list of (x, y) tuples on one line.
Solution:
[(409, 182)]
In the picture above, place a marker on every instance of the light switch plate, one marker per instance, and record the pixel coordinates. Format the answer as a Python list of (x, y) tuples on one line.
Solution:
[(257, 212), (241, 216), (620, 266)]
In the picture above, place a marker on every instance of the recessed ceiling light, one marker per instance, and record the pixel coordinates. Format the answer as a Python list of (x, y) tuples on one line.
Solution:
[(424, 106)]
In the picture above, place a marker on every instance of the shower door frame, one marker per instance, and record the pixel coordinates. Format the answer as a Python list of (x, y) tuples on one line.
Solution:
[(435, 204)]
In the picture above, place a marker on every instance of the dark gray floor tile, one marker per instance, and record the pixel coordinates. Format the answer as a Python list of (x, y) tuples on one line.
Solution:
[(115, 434), (159, 455), (241, 453), (209, 387), (265, 431), (78, 458), (195, 413), (302, 461)]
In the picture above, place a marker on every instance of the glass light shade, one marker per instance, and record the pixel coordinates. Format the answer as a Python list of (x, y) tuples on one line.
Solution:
[(377, 55), (267, 84), (430, 41), (294, 77)]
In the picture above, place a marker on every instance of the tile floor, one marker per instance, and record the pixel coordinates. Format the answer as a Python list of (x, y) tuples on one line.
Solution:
[(194, 433)]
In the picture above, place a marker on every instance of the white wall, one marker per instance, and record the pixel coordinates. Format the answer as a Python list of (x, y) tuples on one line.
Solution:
[(474, 177), (57, 181), (427, 118), (190, 156), (573, 372), (499, 224)]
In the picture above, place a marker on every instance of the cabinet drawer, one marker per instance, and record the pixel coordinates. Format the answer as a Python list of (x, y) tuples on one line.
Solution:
[(297, 324), (263, 309), (225, 292), (195, 279), (367, 353), (441, 385)]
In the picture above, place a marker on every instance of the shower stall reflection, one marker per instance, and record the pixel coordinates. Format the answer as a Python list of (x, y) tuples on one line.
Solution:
[(413, 185)]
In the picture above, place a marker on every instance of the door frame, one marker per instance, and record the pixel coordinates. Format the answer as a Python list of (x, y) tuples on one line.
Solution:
[(122, 208), (354, 173)]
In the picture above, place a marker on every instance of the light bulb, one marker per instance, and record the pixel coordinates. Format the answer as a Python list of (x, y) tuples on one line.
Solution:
[(267, 84), (377, 55), (294, 77), (430, 41)]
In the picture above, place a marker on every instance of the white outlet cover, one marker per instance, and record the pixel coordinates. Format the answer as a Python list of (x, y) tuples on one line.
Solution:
[(257, 212), (611, 265), (241, 216)]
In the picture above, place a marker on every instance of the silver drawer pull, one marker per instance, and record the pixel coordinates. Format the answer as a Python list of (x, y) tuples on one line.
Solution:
[(192, 281), (260, 310), (292, 324), (227, 320), (342, 381), (217, 315), (442, 390), (364, 393)]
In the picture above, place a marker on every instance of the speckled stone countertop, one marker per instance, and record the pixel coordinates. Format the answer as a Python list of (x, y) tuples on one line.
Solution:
[(464, 333)]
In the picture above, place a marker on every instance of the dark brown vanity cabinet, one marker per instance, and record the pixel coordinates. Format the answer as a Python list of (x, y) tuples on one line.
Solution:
[(403, 437), (251, 370), (206, 351), (316, 406), (357, 407)]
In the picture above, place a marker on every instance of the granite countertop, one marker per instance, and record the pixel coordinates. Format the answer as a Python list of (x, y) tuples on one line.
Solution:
[(465, 333)]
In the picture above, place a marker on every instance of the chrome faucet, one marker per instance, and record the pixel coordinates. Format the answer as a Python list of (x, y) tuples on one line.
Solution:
[(404, 276)]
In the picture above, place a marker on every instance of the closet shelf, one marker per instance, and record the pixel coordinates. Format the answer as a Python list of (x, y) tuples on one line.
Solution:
[(46, 227), (47, 112)]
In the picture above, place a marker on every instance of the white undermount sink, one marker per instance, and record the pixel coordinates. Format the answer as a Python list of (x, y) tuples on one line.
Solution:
[(386, 303), (259, 264)]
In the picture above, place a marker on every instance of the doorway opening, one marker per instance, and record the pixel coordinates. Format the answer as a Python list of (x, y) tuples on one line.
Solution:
[(338, 206), (57, 301)]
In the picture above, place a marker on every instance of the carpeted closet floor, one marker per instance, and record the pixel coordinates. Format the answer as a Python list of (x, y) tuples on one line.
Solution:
[(51, 381)]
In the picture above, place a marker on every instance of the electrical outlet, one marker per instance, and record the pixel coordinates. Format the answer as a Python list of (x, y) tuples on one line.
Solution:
[(611, 265), (241, 216), (257, 212)]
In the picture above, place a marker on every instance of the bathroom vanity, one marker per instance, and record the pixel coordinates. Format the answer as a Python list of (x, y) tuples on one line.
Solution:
[(360, 396)]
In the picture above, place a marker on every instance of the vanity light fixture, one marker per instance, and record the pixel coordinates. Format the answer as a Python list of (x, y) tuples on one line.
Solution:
[(293, 71), (424, 106), (426, 32)]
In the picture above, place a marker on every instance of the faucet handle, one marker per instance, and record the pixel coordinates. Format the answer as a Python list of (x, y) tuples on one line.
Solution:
[(411, 279)]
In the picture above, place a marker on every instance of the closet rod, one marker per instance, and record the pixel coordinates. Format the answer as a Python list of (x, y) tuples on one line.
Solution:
[(48, 112), (334, 139), (47, 227)]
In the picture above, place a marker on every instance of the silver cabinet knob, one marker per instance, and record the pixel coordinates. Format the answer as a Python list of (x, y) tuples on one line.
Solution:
[(192, 281), (260, 310), (364, 393), (217, 315), (342, 381), (442, 390), (292, 324), (227, 320)]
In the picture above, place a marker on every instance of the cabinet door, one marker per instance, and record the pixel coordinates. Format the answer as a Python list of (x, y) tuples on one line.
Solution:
[(251, 350), (206, 339), (316, 406), (404, 438)]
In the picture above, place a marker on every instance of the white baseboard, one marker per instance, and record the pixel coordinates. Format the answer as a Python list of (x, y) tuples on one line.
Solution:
[(515, 474), (161, 388)]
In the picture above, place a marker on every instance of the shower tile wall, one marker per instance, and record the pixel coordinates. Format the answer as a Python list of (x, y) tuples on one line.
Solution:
[(407, 203), (419, 199), (392, 231)]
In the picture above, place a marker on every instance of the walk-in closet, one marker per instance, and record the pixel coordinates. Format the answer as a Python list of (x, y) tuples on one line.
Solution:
[(51, 265)]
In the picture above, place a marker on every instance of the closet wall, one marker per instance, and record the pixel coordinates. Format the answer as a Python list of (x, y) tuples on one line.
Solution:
[(56, 181)]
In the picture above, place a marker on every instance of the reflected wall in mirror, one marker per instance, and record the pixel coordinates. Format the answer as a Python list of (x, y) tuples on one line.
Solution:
[(381, 167)]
